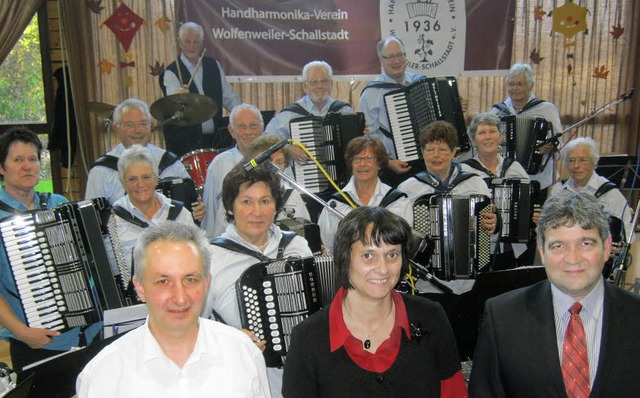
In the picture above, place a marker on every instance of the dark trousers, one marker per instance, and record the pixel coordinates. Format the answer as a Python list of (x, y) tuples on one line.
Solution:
[(23, 355)]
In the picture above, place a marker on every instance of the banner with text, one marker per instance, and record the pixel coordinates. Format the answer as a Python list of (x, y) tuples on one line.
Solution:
[(273, 39)]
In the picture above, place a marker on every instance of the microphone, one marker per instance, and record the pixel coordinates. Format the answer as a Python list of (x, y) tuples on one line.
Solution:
[(266, 155), (627, 169), (627, 94)]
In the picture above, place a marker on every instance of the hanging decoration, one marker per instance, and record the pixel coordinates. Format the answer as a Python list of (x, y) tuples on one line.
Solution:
[(157, 69), (535, 57), (125, 24), (95, 6), (538, 13), (105, 66), (163, 23), (617, 31), (601, 72), (570, 19)]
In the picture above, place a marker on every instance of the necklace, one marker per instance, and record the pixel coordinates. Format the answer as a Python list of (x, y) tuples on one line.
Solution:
[(367, 340)]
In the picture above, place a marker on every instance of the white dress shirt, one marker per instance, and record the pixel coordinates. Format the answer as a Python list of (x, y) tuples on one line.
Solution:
[(224, 363)]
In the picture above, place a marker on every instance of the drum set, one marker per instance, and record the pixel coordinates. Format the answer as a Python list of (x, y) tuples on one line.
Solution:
[(184, 109)]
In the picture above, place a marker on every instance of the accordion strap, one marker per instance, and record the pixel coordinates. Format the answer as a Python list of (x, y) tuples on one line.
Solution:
[(424, 177), (43, 198), (504, 110), (391, 196), (167, 160), (228, 244), (174, 211), (506, 163), (604, 188)]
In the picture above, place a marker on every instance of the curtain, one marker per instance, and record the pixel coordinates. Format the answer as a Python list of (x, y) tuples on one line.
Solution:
[(564, 76), (19, 13)]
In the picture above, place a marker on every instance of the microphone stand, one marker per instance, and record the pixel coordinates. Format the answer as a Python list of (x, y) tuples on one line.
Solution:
[(178, 115), (276, 170), (621, 264), (418, 267), (625, 96)]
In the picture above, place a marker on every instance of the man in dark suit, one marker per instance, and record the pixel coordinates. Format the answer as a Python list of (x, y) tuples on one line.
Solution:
[(522, 342)]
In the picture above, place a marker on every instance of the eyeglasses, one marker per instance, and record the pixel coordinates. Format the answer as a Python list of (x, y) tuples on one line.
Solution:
[(579, 161), (132, 126), (318, 82), (191, 43), (366, 159), (441, 151), (244, 127), (517, 84), (393, 56), (145, 179)]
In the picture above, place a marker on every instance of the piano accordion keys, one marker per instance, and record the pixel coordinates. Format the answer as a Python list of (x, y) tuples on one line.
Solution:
[(326, 138), (66, 267), (412, 108)]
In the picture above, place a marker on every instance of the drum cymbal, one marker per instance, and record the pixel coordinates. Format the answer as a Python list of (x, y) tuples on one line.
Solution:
[(101, 109), (186, 109)]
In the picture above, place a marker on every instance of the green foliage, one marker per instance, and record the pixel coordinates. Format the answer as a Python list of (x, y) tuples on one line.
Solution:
[(21, 85)]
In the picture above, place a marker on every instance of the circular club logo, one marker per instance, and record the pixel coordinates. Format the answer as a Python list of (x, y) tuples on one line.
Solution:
[(433, 32)]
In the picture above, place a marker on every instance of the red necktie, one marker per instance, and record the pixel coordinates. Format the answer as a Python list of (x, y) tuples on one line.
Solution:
[(575, 362)]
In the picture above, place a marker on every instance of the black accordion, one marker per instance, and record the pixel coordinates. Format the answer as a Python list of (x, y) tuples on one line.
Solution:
[(326, 138), (412, 108), (514, 200), (523, 135), (181, 189), (66, 263), (461, 246), (274, 297)]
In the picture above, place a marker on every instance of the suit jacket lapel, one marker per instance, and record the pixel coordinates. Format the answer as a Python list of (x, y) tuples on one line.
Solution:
[(541, 309), (613, 325)]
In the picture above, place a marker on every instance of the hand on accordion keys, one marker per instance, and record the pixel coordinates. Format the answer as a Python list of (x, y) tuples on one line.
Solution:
[(299, 155), (261, 344), (490, 221)]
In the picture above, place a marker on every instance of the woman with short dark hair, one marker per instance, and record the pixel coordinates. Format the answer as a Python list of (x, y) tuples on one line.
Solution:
[(372, 340)]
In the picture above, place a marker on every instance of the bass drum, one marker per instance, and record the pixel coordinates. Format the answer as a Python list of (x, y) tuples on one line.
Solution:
[(196, 162)]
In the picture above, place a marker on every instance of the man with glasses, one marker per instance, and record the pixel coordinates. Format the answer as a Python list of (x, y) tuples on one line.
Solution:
[(392, 56), (317, 101), (245, 126), (209, 80), (132, 125), (522, 101), (580, 157)]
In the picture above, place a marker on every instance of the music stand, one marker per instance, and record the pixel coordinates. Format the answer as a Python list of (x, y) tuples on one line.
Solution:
[(613, 169), (22, 389), (465, 311), (56, 376)]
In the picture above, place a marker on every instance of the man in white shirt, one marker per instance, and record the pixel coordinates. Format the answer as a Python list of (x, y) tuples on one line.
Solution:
[(175, 353), (132, 125)]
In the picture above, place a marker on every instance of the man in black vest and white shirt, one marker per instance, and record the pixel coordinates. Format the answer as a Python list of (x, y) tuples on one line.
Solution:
[(209, 80)]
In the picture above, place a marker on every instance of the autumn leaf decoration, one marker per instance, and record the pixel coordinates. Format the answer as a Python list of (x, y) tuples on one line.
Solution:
[(600, 72), (617, 31), (535, 57), (95, 6), (157, 69), (105, 66), (163, 23), (538, 13)]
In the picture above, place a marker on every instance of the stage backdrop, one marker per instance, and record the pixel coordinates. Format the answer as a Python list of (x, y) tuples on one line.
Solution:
[(270, 40)]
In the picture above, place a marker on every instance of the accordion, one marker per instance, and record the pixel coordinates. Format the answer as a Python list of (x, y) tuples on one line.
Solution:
[(274, 297), (412, 108), (522, 136), (461, 246), (514, 200), (66, 263), (326, 138), (182, 189)]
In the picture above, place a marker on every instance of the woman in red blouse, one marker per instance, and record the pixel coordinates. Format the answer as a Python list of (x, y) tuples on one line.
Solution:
[(372, 340)]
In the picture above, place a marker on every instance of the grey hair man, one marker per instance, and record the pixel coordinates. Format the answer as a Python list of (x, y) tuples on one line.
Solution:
[(175, 353)]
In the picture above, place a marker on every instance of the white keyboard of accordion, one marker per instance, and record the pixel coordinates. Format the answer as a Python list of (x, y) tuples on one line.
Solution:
[(401, 126), (311, 134)]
